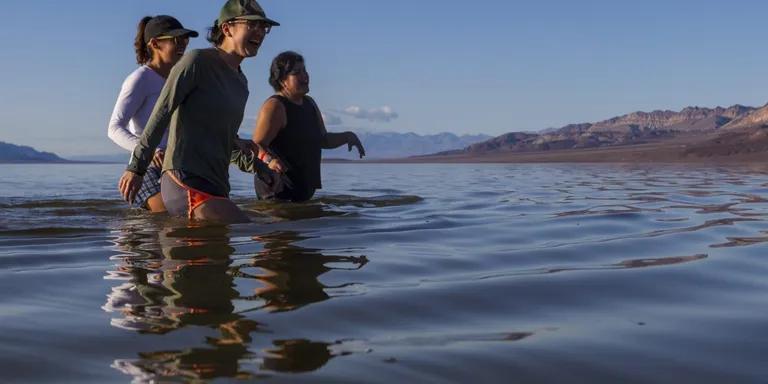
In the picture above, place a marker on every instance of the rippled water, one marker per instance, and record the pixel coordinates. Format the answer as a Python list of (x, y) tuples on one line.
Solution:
[(414, 273)]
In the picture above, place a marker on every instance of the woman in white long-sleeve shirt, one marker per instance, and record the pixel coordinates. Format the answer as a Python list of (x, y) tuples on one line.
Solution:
[(160, 43)]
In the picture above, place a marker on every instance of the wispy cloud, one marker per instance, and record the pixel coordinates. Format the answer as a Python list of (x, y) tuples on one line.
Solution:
[(382, 114)]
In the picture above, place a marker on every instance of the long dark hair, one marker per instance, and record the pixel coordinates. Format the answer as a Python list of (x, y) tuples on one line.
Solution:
[(143, 54), (282, 65)]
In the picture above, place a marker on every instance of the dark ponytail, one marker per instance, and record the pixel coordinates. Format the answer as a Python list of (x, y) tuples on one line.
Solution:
[(215, 34), (143, 55)]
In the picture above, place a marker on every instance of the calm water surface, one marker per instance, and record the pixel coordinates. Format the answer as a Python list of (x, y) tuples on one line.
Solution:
[(410, 273)]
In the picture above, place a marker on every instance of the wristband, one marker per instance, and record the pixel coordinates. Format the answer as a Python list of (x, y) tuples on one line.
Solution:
[(265, 157)]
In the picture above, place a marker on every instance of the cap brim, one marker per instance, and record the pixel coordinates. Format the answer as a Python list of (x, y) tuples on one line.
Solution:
[(257, 17), (181, 32)]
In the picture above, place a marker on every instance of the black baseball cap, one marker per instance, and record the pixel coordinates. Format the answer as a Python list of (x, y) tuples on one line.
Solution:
[(244, 10), (164, 25)]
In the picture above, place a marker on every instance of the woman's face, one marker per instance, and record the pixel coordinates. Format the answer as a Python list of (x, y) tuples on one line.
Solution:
[(297, 81), (246, 36), (169, 49)]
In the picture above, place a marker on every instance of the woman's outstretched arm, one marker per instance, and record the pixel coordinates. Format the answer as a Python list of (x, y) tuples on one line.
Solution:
[(333, 140)]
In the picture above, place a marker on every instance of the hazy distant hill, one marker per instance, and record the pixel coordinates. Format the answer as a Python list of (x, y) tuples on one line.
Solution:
[(11, 153), (633, 128), (122, 157), (388, 145)]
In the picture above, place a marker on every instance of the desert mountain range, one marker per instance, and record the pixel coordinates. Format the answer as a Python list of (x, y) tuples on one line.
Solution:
[(695, 133), (691, 133)]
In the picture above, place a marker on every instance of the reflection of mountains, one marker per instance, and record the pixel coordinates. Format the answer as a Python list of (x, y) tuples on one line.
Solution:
[(186, 278)]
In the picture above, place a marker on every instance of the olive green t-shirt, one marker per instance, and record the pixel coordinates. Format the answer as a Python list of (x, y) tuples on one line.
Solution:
[(202, 103)]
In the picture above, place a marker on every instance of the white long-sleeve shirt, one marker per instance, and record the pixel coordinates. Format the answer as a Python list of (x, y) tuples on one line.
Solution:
[(134, 106)]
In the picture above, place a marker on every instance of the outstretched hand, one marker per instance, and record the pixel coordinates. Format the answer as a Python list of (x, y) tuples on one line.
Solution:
[(354, 141), (129, 185)]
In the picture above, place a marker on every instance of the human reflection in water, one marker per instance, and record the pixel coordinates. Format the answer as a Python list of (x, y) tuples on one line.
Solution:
[(187, 283), (289, 273), (294, 356), (184, 277)]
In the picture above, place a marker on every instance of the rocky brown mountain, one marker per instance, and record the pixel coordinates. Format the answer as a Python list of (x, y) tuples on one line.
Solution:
[(743, 141), (633, 128), (744, 135), (757, 118)]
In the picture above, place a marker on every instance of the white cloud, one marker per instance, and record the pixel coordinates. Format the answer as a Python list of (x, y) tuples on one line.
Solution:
[(381, 114)]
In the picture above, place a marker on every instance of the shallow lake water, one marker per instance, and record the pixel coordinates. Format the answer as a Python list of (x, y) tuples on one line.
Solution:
[(407, 272)]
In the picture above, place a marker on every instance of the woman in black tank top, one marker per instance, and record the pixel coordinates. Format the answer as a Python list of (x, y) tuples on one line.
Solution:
[(290, 135)]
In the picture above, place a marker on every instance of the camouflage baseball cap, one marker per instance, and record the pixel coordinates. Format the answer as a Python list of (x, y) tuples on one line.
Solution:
[(243, 10)]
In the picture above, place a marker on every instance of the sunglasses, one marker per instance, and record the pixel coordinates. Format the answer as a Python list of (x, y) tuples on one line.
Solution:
[(176, 39), (254, 24)]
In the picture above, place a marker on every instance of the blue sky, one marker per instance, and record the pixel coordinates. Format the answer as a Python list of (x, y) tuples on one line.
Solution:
[(464, 67)]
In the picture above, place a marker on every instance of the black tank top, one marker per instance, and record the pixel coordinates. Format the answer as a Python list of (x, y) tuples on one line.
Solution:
[(298, 144)]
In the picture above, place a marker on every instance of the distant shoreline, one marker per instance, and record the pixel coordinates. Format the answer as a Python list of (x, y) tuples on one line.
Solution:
[(652, 153), (666, 152)]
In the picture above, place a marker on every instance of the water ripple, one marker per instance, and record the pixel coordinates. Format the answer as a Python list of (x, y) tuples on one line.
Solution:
[(395, 272)]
